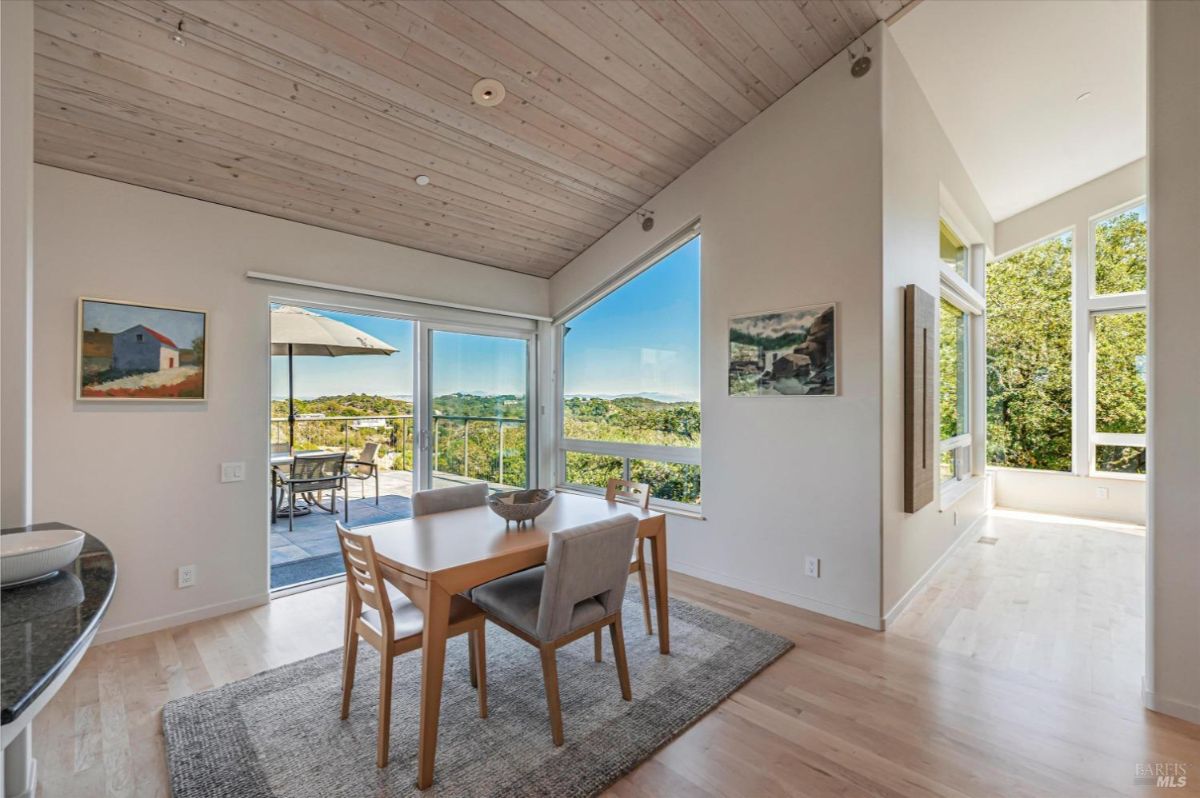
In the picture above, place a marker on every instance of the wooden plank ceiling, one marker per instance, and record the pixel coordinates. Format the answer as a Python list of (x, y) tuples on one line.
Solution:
[(324, 112)]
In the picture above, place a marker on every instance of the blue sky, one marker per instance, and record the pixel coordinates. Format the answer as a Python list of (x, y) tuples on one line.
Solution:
[(180, 326), (461, 363), (642, 338)]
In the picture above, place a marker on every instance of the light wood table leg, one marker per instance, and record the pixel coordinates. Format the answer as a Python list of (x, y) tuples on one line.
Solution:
[(433, 662), (659, 547)]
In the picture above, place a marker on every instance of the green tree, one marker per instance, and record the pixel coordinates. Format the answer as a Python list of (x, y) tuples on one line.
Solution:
[(1029, 358)]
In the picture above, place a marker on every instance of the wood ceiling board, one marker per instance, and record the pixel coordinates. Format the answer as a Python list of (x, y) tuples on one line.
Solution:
[(324, 112)]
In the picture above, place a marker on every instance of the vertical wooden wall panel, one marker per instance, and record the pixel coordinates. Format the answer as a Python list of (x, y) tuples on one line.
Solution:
[(920, 360)]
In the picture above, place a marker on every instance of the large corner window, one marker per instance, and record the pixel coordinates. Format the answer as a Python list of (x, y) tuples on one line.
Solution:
[(1117, 315), (960, 307), (1029, 357), (630, 405), (1047, 410)]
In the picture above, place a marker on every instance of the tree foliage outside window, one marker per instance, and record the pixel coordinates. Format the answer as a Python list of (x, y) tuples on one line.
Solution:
[(1121, 388), (1121, 252), (1029, 358), (952, 355)]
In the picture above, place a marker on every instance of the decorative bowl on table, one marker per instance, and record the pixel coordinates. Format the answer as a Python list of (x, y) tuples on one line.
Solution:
[(520, 505), (30, 556)]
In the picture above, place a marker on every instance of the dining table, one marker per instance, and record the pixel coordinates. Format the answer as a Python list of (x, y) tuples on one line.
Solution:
[(431, 558)]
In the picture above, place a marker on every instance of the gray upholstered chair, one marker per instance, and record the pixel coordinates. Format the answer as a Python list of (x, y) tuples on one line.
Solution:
[(578, 591), (441, 500)]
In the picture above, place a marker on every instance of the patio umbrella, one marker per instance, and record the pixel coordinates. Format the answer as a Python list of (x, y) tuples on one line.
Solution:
[(296, 331)]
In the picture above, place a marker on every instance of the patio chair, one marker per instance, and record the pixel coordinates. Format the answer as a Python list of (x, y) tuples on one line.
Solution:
[(315, 474), (365, 468)]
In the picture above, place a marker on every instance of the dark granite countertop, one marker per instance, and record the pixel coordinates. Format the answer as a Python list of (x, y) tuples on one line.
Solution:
[(42, 625)]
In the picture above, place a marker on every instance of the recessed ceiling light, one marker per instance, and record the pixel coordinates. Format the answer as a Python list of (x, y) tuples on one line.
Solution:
[(422, 180), (487, 92), (1083, 96)]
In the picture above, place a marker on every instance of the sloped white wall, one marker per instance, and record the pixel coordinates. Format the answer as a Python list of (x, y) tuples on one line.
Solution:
[(920, 167), (790, 216)]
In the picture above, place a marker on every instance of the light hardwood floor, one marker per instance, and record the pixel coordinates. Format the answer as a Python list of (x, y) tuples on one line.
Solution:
[(971, 693)]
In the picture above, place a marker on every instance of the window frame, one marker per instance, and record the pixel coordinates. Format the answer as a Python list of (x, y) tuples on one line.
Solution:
[(684, 455), (961, 293), (1088, 310)]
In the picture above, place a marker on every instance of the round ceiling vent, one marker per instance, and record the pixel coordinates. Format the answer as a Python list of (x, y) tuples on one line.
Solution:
[(488, 92)]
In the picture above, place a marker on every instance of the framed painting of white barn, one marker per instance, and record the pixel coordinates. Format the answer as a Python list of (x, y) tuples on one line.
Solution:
[(128, 351)]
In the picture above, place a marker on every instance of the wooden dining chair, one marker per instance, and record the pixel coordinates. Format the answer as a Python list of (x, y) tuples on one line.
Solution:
[(383, 616), (578, 591), (636, 493)]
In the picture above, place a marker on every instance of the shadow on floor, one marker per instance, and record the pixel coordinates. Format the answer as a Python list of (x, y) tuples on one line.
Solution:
[(310, 550)]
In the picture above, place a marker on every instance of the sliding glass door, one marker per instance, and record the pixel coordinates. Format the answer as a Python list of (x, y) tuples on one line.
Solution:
[(476, 408)]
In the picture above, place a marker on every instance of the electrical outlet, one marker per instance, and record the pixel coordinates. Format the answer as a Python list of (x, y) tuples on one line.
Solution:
[(812, 567), (1101, 493), (187, 575), (233, 472)]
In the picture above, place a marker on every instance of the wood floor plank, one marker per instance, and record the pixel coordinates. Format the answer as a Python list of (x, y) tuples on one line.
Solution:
[(1010, 675)]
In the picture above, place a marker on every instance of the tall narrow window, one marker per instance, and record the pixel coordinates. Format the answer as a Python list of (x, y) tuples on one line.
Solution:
[(961, 305), (1120, 429), (1117, 312), (631, 382), (1029, 358)]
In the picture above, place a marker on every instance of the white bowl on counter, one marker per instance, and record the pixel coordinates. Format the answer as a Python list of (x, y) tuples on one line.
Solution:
[(30, 556)]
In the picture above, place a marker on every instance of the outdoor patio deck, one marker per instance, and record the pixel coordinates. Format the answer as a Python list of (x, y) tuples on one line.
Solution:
[(310, 550)]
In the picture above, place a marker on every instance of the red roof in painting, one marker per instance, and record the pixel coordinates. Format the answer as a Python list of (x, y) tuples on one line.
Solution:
[(160, 337)]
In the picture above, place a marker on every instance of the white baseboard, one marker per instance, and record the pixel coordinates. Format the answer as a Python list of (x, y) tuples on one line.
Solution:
[(1167, 706), (110, 634), (787, 597), (899, 607)]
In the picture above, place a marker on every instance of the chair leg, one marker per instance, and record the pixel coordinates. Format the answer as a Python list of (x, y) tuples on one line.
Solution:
[(291, 510), (472, 661), (376, 488), (599, 646), (645, 589), (385, 708), (550, 674), (349, 661), (481, 667), (618, 641)]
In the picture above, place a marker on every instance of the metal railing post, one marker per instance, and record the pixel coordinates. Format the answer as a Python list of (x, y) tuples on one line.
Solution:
[(466, 445), (500, 434)]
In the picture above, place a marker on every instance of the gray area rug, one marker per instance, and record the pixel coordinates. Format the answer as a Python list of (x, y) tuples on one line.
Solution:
[(278, 735)]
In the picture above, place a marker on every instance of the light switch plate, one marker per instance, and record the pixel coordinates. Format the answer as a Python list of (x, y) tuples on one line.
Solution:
[(233, 472)]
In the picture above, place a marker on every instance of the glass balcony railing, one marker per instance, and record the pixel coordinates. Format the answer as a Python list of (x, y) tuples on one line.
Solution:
[(492, 449)]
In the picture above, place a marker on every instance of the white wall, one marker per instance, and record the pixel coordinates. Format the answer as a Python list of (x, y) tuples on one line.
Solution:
[(16, 263), (789, 216), (1061, 493), (1173, 672), (1072, 208), (920, 172), (145, 477)]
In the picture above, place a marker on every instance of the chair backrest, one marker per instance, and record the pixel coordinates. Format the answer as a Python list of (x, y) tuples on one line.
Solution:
[(587, 562), (363, 577), (319, 471), (428, 502), (281, 448), (368, 454), (622, 490)]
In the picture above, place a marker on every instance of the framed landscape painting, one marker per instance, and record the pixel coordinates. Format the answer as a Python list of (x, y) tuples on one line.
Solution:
[(784, 353), (128, 351)]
